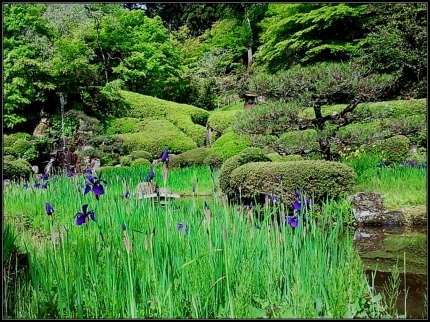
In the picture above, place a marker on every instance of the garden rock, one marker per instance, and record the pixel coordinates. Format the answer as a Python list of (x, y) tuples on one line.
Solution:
[(35, 169)]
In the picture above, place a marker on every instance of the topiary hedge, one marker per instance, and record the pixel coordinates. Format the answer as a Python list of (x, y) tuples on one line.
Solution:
[(7, 150), (142, 106), (140, 154), (189, 158), (220, 121), (8, 157), (140, 162), (186, 125), (213, 160), (250, 155), (16, 169), (275, 157), (125, 161), (156, 136), (394, 149), (122, 125), (321, 179), (229, 144)]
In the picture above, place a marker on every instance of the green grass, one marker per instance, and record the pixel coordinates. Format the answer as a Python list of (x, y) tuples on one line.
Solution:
[(400, 186), (224, 267)]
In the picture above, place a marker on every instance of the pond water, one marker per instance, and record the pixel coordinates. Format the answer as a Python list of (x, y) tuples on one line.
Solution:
[(382, 248)]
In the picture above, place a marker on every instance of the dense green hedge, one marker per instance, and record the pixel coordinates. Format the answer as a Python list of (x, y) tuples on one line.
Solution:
[(16, 169), (140, 162), (229, 144), (156, 136), (7, 150), (8, 157), (388, 109), (246, 156), (9, 140), (142, 106), (125, 161), (213, 159), (220, 121), (275, 157), (122, 125), (189, 158), (140, 154), (394, 149), (321, 179), (25, 149), (185, 124)]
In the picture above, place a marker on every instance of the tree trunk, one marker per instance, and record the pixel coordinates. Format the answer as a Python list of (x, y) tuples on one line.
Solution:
[(320, 124)]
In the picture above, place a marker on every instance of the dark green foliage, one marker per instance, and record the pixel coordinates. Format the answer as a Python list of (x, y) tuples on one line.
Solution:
[(229, 144), (222, 120), (109, 144), (189, 158), (156, 136), (140, 154), (139, 162), (214, 160), (125, 161), (394, 149), (16, 169), (397, 44), (25, 149), (9, 140), (321, 179), (109, 159), (250, 155)]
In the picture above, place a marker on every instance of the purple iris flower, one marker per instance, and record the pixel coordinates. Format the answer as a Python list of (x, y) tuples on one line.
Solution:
[(297, 205), (297, 192), (165, 155), (44, 176), (181, 226), (49, 209), (88, 171), (124, 227), (273, 198), (251, 205), (82, 217), (96, 186), (151, 174), (293, 221), (37, 184), (25, 185), (45, 185), (126, 194), (69, 173)]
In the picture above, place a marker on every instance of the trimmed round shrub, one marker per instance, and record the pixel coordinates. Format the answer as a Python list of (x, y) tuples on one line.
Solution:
[(275, 157), (220, 121), (298, 141), (140, 154), (189, 158), (8, 140), (17, 169), (140, 162), (394, 149), (186, 125), (229, 144), (122, 125), (125, 161), (321, 179), (25, 149), (9, 151), (8, 157), (213, 160), (250, 155), (158, 135)]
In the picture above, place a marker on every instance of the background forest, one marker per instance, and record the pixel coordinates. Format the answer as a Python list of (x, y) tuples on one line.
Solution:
[(194, 53)]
